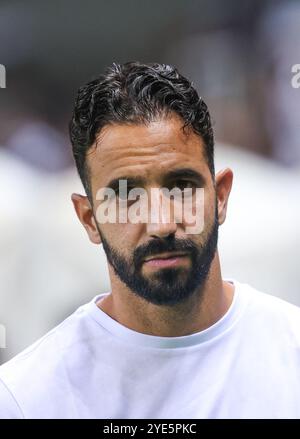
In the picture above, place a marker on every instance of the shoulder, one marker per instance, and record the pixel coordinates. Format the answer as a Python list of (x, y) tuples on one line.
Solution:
[(38, 372), (9, 407), (266, 312), (271, 304)]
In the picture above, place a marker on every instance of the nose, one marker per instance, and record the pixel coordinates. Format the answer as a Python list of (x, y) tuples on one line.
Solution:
[(160, 224)]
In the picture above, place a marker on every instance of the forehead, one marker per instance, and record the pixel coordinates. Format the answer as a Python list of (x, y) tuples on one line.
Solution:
[(148, 151)]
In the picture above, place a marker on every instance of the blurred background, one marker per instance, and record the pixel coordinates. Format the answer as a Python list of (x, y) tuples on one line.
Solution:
[(239, 55)]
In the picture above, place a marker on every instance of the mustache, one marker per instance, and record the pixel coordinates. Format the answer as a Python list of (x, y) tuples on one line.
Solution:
[(163, 245)]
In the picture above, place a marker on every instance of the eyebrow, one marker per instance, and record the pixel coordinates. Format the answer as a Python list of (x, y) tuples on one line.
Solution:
[(171, 175), (185, 173)]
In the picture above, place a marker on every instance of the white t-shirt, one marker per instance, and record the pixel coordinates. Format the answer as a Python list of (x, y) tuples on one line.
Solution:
[(246, 365)]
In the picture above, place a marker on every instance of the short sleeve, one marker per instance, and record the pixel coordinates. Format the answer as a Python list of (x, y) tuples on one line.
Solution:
[(9, 409)]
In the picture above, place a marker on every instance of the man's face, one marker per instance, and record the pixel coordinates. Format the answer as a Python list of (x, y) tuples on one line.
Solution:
[(158, 155)]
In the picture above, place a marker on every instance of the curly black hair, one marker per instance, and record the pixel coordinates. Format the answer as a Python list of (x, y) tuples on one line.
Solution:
[(135, 93)]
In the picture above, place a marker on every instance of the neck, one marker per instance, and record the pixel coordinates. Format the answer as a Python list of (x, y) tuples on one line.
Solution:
[(194, 315)]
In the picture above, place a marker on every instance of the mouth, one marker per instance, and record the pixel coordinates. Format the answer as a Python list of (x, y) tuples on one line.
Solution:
[(166, 260), (165, 256)]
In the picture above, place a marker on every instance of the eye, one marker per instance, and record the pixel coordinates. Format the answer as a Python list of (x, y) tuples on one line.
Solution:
[(124, 202), (123, 195), (184, 184)]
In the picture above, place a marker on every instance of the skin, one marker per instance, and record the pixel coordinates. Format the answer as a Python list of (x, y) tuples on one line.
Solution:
[(151, 151)]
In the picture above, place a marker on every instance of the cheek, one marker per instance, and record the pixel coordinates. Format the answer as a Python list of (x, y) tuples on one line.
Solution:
[(209, 209), (123, 237), (199, 212)]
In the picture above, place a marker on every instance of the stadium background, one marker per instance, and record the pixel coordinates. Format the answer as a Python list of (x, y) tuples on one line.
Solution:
[(239, 55)]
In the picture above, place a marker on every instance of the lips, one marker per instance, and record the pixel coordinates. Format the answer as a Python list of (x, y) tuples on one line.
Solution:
[(165, 256), (166, 260)]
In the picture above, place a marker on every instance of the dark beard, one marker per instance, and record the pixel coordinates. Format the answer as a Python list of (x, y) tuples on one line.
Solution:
[(167, 286)]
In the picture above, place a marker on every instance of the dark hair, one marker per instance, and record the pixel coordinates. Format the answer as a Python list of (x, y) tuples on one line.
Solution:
[(135, 93)]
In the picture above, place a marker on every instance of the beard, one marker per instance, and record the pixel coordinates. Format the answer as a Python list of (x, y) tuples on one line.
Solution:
[(166, 286)]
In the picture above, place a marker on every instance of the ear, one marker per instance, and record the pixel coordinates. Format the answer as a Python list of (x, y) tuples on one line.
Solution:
[(223, 187), (84, 212)]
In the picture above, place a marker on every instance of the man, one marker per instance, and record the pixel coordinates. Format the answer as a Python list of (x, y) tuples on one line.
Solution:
[(172, 339)]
